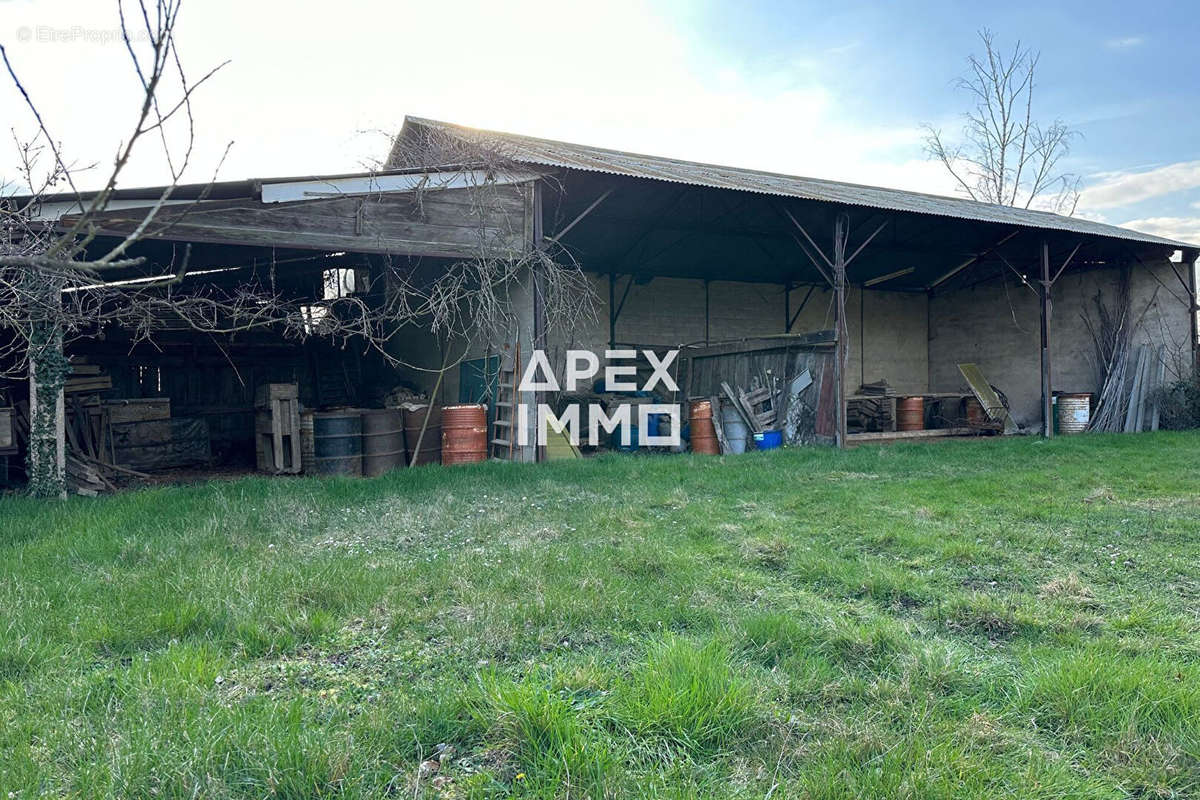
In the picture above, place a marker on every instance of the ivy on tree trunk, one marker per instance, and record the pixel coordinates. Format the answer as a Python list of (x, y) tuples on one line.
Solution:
[(48, 370)]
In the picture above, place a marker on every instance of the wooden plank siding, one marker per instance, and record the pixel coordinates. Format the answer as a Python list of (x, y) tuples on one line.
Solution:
[(449, 223)]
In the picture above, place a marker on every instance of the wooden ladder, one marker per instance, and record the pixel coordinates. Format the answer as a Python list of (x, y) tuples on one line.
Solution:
[(505, 423)]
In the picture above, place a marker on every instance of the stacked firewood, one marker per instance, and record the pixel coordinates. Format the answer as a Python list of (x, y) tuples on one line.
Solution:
[(872, 410), (869, 414)]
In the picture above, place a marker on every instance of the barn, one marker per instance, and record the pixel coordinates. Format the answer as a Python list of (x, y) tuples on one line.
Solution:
[(876, 292)]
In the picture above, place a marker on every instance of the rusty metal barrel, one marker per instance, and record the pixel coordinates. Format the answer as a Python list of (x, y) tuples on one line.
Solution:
[(1074, 412), (703, 434), (973, 412), (431, 442), (464, 434), (382, 440), (337, 442), (910, 414)]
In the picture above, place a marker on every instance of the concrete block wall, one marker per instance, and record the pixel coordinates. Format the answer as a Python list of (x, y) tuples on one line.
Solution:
[(670, 311), (909, 339), (997, 326), (888, 339)]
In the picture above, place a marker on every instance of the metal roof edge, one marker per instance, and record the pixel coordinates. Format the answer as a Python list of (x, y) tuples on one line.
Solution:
[(1027, 218)]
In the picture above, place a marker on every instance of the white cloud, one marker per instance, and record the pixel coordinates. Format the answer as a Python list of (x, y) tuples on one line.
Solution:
[(1125, 188), (1182, 229), (1125, 42), (1094, 216), (302, 84)]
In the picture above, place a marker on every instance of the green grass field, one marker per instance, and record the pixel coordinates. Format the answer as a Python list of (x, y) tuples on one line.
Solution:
[(966, 619)]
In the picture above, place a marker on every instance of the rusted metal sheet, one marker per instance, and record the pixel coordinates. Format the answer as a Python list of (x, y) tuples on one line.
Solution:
[(826, 422)]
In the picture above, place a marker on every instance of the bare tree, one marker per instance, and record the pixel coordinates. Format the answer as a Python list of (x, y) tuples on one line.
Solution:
[(40, 264), (61, 281), (1005, 156)]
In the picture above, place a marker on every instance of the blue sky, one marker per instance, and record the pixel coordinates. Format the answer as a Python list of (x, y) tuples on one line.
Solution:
[(1125, 75), (833, 90)]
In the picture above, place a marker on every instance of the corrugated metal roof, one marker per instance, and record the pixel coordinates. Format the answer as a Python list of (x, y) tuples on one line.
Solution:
[(547, 152)]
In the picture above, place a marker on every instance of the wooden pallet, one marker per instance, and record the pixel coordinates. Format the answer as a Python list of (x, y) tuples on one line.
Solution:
[(277, 428)]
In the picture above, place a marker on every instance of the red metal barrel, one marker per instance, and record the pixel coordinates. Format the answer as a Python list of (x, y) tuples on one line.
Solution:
[(910, 414), (704, 435), (464, 434)]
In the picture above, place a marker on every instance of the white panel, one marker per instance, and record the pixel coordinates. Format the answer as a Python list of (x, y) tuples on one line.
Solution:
[(317, 188)]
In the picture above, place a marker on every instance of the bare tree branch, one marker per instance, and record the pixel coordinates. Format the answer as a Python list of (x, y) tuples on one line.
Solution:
[(1005, 156)]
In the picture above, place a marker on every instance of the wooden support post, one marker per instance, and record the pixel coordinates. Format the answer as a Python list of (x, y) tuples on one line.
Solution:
[(567, 228), (1047, 390), (612, 310), (1189, 264), (706, 337), (539, 300), (839, 288)]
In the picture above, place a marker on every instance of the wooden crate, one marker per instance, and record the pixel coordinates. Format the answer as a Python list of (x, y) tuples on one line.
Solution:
[(144, 409), (268, 393), (160, 444)]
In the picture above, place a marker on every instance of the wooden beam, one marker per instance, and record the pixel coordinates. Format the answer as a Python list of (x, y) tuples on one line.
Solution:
[(752, 345), (792, 319), (1065, 263), (446, 223), (1189, 260), (815, 263), (887, 436), (824, 257), (567, 228), (840, 235), (539, 302), (824, 274), (706, 317), (1047, 390), (875, 233), (882, 278), (614, 308), (290, 191), (1191, 293), (1020, 275), (972, 260)]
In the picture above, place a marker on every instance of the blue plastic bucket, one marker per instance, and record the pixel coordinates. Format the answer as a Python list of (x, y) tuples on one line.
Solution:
[(654, 424), (768, 440)]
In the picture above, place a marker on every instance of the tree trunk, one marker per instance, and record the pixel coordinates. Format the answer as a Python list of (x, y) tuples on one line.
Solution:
[(48, 368)]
